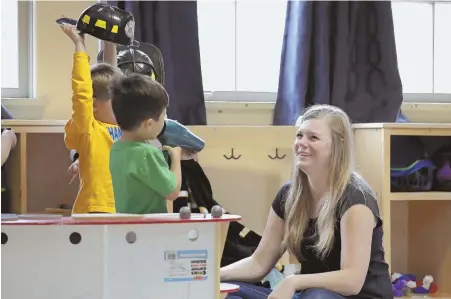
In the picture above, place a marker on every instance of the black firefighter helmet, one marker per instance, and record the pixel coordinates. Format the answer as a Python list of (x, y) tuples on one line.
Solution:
[(145, 59), (108, 23)]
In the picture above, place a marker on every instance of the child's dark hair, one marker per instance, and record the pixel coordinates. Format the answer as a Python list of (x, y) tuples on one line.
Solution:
[(136, 98), (101, 75)]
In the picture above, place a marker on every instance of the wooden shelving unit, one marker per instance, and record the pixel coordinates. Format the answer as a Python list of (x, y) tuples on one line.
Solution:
[(417, 225)]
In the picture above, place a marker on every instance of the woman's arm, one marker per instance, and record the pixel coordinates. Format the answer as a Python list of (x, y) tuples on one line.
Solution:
[(268, 252), (357, 226)]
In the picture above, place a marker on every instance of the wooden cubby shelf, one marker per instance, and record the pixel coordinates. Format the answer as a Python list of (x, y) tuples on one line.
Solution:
[(417, 225)]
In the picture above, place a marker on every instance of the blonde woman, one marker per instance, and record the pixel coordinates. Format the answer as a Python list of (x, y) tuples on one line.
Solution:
[(327, 217)]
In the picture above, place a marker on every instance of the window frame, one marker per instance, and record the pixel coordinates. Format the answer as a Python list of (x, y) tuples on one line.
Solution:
[(238, 96), (26, 54), (271, 97), (26, 88)]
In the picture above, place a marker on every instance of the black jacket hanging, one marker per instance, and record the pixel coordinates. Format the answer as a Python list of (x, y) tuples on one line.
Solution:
[(240, 242)]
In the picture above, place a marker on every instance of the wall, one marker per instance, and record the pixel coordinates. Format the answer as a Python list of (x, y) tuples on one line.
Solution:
[(53, 52), (53, 62)]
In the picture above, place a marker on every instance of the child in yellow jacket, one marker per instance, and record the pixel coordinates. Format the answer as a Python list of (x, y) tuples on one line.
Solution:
[(92, 129)]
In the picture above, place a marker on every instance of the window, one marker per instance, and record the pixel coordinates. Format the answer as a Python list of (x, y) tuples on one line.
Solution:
[(423, 44), (16, 62), (414, 18), (241, 43), (217, 41), (243, 56), (442, 48)]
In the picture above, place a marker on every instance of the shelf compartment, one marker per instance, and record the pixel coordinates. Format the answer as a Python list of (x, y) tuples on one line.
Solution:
[(423, 196)]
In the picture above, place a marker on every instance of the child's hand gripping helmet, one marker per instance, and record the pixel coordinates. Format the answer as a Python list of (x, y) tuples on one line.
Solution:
[(107, 23), (145, 59)]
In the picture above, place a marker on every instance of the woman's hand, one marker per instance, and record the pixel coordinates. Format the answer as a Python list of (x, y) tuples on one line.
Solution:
[(284, 290)]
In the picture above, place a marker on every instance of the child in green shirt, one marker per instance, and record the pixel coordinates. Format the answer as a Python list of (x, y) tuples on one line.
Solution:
[(142, 180)]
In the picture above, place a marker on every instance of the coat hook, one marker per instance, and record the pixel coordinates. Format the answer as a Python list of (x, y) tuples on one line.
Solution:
[(232, 156), (277, 156)]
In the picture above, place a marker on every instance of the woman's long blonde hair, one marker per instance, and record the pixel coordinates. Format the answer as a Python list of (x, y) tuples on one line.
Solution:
[(299, 203)]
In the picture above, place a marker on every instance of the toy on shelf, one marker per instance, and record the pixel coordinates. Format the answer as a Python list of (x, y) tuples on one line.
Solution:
[(401, 284), (404, 285), (443, 177), (419, 176), (425, 286), (400, 288)]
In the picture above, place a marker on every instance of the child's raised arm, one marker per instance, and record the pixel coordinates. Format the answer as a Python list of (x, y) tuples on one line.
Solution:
[(77, 38), (82, 97), (110, 53)]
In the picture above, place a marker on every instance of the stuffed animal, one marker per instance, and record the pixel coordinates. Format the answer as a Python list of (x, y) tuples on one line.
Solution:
[(426, 286), (400, 284), (408, 283), (399, 288), (407, 277)]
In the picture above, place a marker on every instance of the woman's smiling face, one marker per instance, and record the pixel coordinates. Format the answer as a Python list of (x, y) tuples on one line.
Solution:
[(312, 145)]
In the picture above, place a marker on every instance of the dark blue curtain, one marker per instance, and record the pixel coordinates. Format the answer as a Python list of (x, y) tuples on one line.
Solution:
[(341, 53), (172, 27)]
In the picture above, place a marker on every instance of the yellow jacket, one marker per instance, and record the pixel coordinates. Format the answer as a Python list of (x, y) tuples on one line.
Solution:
[(92, 139)]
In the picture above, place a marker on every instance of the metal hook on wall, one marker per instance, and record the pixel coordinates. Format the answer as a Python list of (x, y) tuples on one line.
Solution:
[(232, 156), (277, 156)]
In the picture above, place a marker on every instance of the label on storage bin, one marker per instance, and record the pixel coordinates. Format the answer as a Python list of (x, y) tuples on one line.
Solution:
[(185, 265)]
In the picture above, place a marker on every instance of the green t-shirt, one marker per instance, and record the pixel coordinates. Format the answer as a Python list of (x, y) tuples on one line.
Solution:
[(141, 178)]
